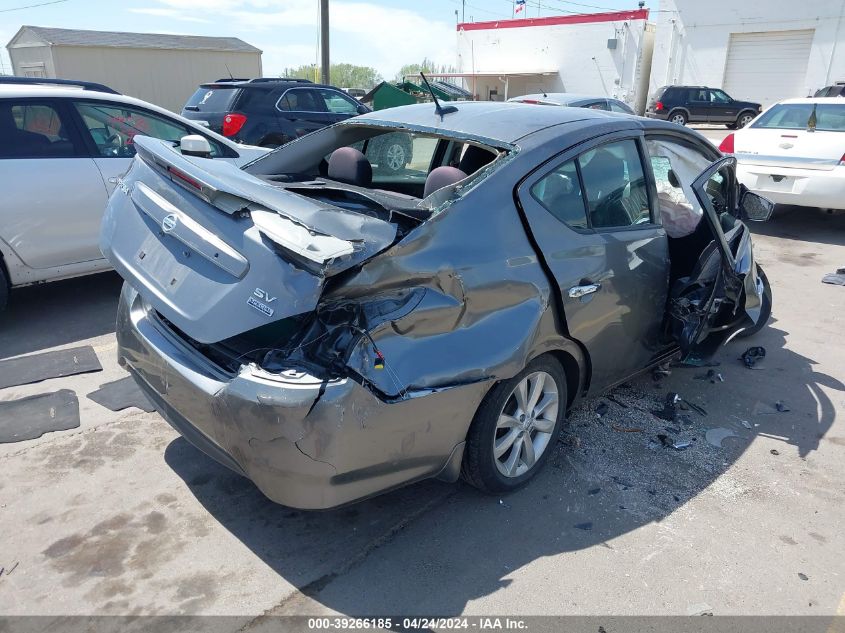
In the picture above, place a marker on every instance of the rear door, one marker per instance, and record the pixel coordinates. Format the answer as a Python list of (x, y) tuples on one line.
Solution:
[(591, 215), (53, 193), (698, 104), (302, 110)]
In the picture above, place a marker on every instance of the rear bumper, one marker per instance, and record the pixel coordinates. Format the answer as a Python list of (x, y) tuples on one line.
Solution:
[(657, 115), (801, 187), (301, 447)]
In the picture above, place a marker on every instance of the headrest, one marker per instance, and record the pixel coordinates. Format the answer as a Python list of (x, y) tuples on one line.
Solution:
[(442, 177), (348, 165)]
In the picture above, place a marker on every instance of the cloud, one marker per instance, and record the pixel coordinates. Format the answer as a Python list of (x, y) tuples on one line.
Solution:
[(361, 32)]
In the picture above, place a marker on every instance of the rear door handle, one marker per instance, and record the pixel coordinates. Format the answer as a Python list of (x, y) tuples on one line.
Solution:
[(576, 292)]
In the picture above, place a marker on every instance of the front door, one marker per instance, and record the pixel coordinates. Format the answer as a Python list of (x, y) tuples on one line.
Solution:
[(698, 104), (53, 193), (592, 217), (722, 108)]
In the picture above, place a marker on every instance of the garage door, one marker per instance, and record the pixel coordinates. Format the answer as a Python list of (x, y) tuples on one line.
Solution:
[(766, 67)]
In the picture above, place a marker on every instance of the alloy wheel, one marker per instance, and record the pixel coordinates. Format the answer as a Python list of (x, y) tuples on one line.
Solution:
[(525, 424), (679, 119), (745, 119), (395, 157)]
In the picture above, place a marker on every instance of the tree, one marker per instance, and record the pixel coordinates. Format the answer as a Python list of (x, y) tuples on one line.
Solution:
[(342, 75), (426, 66)]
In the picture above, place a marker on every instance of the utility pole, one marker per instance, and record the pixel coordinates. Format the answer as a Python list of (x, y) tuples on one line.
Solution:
[(463, 11), (324, 41)]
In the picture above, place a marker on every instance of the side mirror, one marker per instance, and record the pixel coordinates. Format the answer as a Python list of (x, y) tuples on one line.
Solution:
[(755, 207), (195, 145)]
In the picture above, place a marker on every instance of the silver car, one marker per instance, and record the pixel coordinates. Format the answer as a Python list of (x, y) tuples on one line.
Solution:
[(332, 330), (62, 149)]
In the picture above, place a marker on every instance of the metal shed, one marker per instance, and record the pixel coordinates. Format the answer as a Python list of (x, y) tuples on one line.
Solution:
[(163, 69)]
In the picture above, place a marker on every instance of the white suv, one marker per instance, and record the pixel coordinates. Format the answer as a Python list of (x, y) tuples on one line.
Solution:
[(62, 151)]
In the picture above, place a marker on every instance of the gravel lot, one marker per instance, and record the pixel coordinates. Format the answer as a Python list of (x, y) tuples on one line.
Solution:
[(121, 516)]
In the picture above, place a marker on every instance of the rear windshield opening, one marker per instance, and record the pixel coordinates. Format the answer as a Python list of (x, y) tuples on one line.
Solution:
[(212, 99), (385, 161), (826, 117)]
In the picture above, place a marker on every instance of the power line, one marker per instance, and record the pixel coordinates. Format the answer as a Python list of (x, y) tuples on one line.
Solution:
[(31, 6)]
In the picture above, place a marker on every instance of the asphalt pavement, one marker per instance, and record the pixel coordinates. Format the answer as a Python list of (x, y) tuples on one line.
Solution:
[(122, 516)]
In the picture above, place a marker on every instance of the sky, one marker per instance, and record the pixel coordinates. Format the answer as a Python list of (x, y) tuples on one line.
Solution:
[(384, 34)]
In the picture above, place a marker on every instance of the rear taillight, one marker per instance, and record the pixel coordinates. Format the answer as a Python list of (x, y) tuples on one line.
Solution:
[(658, 106), (727, 146), (842, 160), (232, 123)]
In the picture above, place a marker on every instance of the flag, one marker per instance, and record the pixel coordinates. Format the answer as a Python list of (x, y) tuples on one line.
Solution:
[(520, 5)]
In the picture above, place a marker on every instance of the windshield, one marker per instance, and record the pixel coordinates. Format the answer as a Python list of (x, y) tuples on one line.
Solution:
[(217, 99), (829, 117)]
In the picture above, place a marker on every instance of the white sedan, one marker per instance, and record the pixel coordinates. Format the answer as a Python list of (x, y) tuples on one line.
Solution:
[(63, 150), (794, 153)]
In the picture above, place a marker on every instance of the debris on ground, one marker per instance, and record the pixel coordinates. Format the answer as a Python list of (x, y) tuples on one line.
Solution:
[(660, 372), (669, 411), (694, 361), (681, 445), (712, 375), (837, 278), (781, 407), (594, 491), (700, 609), (602, 408), (775, 451), (753, 355), (746, 424), (716, 436), (625, 429), (616, 400), (584, 526), (803, 576)]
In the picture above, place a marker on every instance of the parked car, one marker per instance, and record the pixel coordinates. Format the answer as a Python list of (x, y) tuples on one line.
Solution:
[(269, 112), (794, 153), (699, 104), (575, 101), (332, 331), (63, 149), (837, 90)]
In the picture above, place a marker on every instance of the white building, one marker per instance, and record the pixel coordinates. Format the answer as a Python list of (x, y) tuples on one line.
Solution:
[(605, 54), (159, 68), (755, 51)]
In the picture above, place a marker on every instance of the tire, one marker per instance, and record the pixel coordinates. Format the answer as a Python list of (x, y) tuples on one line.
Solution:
[(481, 467), (678, 117), (394, 157), (744, 119), (765, 309), (4, 287)]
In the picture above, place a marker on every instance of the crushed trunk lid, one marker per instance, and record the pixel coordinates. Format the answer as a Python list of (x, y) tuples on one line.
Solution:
[(219, 252)]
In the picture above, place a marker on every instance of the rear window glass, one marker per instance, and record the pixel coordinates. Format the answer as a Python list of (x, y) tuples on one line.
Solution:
[(828, 117), (212, 99)]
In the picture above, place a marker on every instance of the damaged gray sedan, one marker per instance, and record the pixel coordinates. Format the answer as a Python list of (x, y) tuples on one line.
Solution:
[(332, 328)]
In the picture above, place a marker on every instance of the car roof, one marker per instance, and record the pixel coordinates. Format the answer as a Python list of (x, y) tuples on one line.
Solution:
[(265, 85), (808, 100), (501, 121), (13, 91), (563, 98)]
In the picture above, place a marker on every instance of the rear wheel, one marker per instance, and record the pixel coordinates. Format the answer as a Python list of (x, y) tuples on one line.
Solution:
[(765, 308), (744, 119), (516, 427), (678, 117)]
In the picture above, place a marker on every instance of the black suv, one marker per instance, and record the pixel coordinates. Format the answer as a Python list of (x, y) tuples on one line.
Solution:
[(699, 104), (269, 111)]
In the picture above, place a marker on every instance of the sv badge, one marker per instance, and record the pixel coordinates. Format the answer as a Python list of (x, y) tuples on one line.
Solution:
[(259, 300)]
